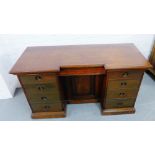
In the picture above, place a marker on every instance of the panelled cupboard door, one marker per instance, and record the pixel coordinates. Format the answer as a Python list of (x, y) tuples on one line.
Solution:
[(83, 87)]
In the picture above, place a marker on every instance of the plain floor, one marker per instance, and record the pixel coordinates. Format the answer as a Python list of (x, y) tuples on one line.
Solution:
[(17, 108)]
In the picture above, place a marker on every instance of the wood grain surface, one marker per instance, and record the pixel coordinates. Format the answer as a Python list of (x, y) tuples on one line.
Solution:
[(51, 58)]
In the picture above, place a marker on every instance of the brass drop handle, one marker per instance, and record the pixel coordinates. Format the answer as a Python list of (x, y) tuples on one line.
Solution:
[(125, 74), (41, 88), (121, 94), (46, 107), (38, 77), (44, 98), (123, 83)]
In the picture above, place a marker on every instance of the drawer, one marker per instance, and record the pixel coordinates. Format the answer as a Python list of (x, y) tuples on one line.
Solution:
[(120, 93), (40, 107), (50, 98), (119, 103), (125, 74), (123, 84), (41, 88), (38, 78)]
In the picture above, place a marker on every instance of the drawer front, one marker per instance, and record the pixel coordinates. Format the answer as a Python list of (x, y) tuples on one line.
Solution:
[(119, 103), (38, 78), (41, 88), (44, 97), (40, 107), (123, 84), (120, 93), (125, 74)]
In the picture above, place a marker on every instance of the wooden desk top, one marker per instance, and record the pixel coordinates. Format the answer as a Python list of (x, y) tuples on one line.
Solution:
[(50, 58)]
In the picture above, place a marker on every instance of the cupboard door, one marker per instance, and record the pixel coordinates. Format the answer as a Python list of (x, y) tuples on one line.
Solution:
[(81, 87)]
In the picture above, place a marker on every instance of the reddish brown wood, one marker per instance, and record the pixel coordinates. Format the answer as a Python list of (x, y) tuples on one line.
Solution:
[(81, 88), (82, 82), (49, 114), (83, 85), (125, 110), (117, 111), (51, 58), (151, 71), (82, 74), (82, 70)]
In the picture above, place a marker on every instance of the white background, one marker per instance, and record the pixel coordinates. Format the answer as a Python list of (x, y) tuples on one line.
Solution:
[(77, 17)]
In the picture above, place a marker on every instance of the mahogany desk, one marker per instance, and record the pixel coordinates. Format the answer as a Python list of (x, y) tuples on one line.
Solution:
[(54, 76)]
